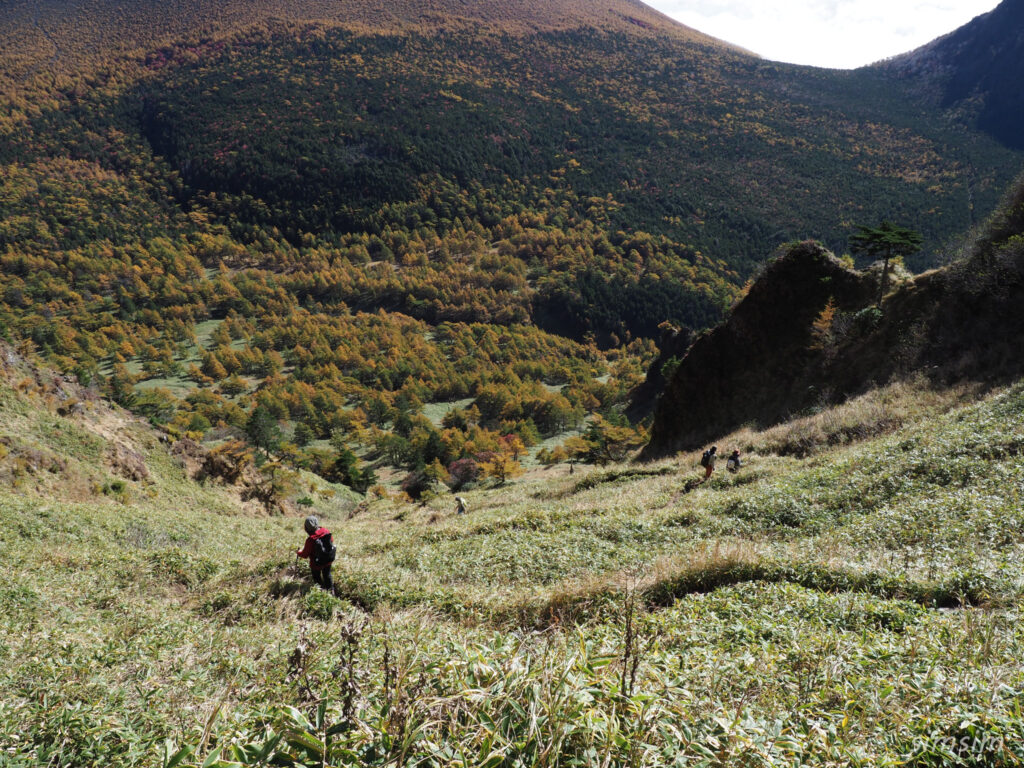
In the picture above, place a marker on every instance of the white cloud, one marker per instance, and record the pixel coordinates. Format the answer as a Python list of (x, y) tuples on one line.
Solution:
[(825, 33)]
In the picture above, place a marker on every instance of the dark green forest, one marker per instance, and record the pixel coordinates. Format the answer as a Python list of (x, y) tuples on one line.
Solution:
[(324, 131)]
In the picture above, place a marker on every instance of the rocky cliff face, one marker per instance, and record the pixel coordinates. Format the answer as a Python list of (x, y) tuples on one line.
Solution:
[(779, 353), (758, 366), (672, 348)]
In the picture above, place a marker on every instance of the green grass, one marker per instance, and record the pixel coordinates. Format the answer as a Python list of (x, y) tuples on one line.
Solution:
[(204, 329), (859, 606), (436, 411)]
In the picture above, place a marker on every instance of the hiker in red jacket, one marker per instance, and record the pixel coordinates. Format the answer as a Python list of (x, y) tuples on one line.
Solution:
[(319, 548)]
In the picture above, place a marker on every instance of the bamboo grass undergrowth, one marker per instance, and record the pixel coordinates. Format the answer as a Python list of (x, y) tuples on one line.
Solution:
[(858, 606)]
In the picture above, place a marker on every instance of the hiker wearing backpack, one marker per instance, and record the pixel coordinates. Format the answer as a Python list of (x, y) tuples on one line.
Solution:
[(734, 463), (707, 460), (320, 550)]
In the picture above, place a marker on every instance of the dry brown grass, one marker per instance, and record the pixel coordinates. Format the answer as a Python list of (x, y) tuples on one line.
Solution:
[(878, 412)]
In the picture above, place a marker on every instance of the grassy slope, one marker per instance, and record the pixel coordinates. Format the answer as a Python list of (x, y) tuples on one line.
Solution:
[(784, 614)]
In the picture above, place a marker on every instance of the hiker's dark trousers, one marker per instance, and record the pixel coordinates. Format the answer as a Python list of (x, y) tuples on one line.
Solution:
[(322, 576)]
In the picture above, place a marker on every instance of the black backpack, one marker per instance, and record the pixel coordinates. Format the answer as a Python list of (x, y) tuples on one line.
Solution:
[(324, 550), (705, 460)]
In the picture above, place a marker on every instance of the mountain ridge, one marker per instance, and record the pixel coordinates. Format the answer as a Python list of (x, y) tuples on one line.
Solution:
[(975, 71), (69, 36)]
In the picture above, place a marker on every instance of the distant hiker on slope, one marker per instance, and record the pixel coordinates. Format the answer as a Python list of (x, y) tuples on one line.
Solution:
[(734, 464), (460, 506), (320, 550), (707, 460)]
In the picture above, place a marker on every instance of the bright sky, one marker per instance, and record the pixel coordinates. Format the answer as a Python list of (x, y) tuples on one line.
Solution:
[(826, 33)]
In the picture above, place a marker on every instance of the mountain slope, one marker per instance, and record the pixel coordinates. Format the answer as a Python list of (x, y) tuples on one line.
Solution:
[(713, 148), (136, 622), (720, 147), (975, 71), (806, 334), (857, 607), (69, 37), (338, 224)]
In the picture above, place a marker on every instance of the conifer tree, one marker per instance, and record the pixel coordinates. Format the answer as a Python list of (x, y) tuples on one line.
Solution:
[(886, 241), (263, 430)]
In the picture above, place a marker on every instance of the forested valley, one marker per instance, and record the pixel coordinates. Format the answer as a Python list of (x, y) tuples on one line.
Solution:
[(410, 249)]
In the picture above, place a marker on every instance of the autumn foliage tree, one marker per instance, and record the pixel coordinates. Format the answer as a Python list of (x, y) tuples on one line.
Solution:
[(502, 467), (605, 441)]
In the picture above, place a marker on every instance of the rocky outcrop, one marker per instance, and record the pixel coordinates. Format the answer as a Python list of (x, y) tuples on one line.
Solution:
[(776, 355), (672, 348), (758, 365), (127, 462)]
